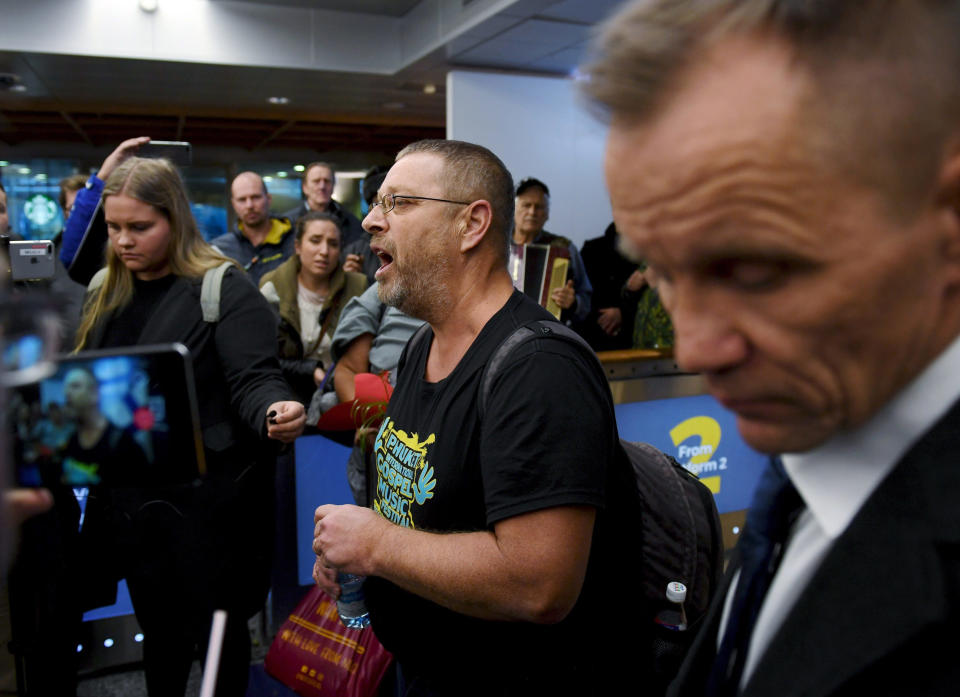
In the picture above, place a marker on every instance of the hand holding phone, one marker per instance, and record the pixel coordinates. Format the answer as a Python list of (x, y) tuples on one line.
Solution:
[(179, 153), (353, 262), (124, 151)]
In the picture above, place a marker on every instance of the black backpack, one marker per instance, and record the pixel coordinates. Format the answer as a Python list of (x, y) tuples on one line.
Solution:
[(681, 538)]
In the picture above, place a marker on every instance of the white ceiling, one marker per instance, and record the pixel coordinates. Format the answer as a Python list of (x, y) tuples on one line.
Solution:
[(391, 8), (381, 53)]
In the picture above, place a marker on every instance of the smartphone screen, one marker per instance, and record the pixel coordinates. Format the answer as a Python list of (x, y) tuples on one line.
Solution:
[(31, 260), (115, 418), (178, 152)]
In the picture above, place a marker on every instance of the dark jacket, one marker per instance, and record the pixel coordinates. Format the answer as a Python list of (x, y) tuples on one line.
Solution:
[(608, 271), (879, 615), (235, 368), (279, 287), (223, 541), (256, 261)]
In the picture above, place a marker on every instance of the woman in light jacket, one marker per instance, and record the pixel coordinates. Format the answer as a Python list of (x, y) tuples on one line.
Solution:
[(309, 291)]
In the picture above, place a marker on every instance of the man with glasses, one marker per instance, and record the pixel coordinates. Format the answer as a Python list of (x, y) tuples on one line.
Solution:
[(494, 546)]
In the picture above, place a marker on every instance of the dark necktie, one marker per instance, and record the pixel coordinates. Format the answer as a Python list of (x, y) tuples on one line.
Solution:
[(775, 506)]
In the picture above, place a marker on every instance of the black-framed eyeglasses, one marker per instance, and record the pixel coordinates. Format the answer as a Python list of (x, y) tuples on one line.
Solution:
[(389, 201)]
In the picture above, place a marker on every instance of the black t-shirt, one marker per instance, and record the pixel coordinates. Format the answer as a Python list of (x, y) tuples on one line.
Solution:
[(548, 438), (116, 459)]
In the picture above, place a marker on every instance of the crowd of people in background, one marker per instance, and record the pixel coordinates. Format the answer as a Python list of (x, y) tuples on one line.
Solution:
[(316, 275), (605, 298), (784, 175)]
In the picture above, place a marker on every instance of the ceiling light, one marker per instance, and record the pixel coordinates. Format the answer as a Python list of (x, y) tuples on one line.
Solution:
[(268, 179), (282, 175), (298, 168), (4, 163), (429, 88), (41, 177), (148, 5), (278, 100), (23, 170), (10, 82)]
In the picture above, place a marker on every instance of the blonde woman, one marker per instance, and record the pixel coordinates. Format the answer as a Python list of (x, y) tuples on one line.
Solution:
[(211, 547)]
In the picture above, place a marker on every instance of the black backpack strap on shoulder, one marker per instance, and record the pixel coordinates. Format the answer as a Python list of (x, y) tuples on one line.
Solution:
[(534, 329), (417, 338)]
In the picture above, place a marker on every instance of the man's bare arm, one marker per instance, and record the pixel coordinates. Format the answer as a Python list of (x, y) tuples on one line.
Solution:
[(530, 567), (356, 359)]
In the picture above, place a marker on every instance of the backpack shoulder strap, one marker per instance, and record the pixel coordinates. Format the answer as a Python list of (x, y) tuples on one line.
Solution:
[(534, 329), (417, 338), (210, 291), (98, 278)]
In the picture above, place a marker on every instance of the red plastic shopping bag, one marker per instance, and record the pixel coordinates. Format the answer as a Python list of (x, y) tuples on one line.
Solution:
[(316, 656)]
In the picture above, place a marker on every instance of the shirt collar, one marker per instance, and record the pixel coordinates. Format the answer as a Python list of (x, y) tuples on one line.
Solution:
[(836, 478)]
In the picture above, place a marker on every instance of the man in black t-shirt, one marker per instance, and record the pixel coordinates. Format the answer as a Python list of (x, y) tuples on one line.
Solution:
[(98, 452), (498, 550)]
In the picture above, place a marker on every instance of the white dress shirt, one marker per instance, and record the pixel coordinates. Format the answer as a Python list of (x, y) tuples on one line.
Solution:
[(835, 480)]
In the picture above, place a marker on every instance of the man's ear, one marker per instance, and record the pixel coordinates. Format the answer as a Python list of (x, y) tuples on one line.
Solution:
[(473, 224)]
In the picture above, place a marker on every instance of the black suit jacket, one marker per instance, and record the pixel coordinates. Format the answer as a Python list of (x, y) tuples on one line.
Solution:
[(879, 616)]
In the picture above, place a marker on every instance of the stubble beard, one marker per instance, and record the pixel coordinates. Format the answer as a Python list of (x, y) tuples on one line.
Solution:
[(421, 291)]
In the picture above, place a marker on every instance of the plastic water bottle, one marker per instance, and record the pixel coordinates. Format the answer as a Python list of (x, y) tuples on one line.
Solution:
[(351, 604), (676, 617), (671, 639)]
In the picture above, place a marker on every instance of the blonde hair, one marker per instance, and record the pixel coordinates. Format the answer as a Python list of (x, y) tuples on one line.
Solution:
[(157, 183)]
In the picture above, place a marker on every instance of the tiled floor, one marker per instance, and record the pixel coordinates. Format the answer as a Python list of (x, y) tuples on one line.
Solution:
[(131, 683)]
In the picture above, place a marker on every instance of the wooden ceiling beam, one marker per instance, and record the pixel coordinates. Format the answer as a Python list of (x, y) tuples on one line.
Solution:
[(76, 127)]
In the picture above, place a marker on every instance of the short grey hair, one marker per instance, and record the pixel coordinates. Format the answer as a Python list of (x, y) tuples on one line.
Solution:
[(471, 173), (886, 94)]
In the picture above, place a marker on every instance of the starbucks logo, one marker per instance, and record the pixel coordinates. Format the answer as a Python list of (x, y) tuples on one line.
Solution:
[(40, 209)]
